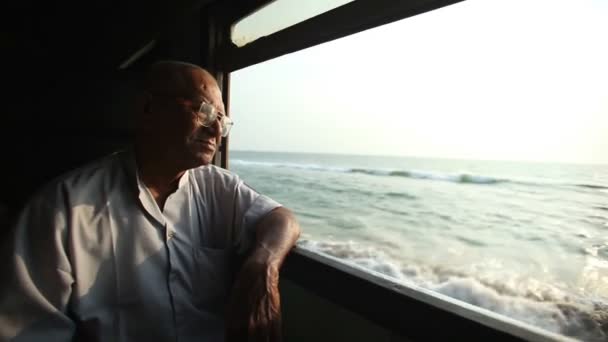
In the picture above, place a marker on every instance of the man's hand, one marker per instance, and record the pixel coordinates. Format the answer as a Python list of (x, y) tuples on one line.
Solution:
[(254, 311)]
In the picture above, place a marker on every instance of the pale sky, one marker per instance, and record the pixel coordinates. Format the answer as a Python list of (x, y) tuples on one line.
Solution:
[(481, 79)]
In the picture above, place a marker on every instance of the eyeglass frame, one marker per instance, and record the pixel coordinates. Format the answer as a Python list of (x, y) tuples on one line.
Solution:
[(226, 122)]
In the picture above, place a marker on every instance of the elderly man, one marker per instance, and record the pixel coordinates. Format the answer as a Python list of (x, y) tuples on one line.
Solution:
[(141, 245)]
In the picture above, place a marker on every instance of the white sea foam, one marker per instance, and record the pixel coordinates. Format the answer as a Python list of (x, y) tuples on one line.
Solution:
[(527, 300)]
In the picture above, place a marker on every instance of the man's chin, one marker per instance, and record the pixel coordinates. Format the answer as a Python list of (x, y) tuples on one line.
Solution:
[(204, 158), (200, 155)]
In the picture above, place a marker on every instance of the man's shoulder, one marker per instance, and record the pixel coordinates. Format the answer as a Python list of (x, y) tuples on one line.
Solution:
[(214, 171), (215, 174), (90, 171), (86, 177)]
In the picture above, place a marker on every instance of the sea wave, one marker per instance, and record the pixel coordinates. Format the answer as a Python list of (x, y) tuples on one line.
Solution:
[(460, 178), (456, 178), (530, 301), (593, 186), (313, 167)]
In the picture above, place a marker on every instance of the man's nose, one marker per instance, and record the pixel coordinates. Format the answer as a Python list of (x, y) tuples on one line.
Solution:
[(214, 129)]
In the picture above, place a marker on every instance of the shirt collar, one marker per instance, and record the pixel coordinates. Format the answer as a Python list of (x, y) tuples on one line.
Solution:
[(141, 190)]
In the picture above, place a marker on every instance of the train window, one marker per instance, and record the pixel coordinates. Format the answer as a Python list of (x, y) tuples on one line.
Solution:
[(462, 150), (279, 15)]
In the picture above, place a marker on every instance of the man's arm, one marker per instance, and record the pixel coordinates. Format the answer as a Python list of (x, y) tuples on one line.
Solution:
[(254, 312)]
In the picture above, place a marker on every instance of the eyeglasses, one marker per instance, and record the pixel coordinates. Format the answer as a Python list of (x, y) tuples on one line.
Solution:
[(207, 115)]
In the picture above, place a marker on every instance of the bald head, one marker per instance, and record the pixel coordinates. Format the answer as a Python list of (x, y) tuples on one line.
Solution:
[(176, 78)]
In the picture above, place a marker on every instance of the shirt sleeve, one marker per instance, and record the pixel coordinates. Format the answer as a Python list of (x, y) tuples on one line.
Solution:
[(38, 277), (249, 207)]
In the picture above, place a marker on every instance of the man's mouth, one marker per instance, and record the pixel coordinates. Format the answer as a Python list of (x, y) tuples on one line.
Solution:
[(206, 143)]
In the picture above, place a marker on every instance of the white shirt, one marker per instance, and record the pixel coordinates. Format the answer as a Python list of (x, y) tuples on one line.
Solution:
[(94, 258)]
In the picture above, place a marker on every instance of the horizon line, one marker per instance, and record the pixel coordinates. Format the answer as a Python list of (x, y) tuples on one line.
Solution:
[(599, 163)]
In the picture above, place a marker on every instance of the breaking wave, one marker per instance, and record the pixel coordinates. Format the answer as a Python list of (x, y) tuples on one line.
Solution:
[(539, 304), (461, 178)]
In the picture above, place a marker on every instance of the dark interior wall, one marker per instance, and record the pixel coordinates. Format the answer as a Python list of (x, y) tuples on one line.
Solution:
[(72, 118), (59, 112)]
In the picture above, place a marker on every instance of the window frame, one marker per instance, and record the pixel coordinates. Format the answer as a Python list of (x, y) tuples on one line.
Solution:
[(411, 312)]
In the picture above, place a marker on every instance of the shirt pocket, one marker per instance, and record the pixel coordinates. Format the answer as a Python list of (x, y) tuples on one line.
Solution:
[(214, 269)]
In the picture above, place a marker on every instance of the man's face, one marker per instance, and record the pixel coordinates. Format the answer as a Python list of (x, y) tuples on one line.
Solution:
[(188, 141), (202, 142)]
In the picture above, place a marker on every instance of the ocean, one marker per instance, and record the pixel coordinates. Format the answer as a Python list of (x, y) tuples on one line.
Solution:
[(524, 239)]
